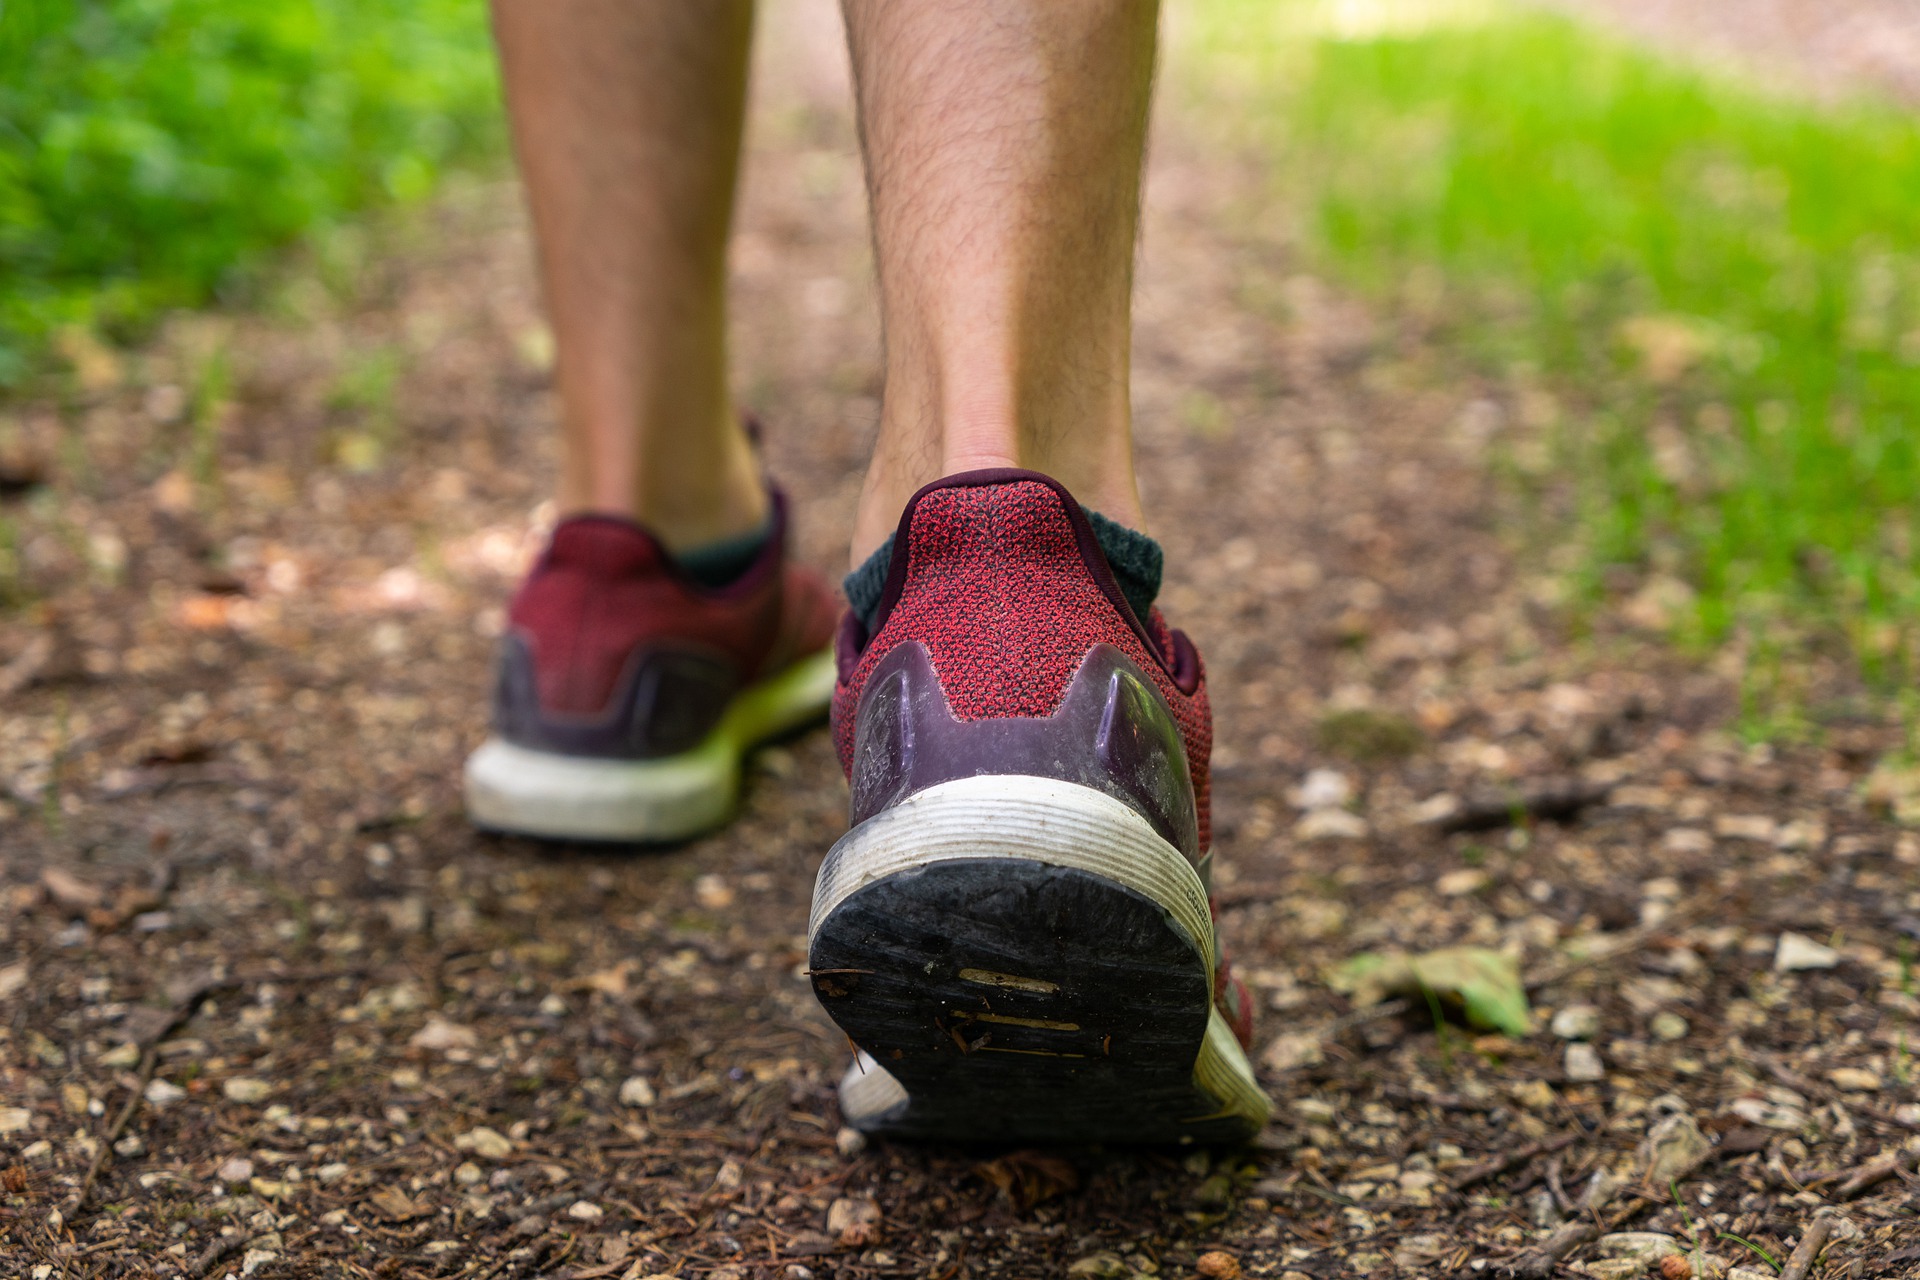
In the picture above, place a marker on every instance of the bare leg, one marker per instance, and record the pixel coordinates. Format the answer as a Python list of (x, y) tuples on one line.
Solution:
[(627, 118), (1004, 143)]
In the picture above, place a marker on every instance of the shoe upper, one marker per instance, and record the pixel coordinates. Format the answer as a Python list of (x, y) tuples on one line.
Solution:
[(612, 651), (1003, 645)]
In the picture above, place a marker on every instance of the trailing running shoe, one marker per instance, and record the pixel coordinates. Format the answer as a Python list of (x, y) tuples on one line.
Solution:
[(1016, 932), (627, 694)]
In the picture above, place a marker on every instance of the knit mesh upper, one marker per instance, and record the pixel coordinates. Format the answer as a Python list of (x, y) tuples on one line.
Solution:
[(997, 590)]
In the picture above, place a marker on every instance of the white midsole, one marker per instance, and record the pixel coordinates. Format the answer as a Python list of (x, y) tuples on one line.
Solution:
[(546, 793), (1018, 816)]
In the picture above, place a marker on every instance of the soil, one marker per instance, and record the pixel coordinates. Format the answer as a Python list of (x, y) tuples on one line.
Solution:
[(268, 1007)]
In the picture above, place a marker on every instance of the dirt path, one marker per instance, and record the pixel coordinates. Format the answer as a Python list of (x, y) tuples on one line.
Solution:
[(237, 886)]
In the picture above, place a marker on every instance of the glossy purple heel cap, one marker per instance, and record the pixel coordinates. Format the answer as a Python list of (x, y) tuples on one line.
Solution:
[(664, 703), (1112, 732)]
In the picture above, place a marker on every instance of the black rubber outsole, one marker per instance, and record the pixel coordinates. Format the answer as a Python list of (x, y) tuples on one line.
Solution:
[(1017, 1001)]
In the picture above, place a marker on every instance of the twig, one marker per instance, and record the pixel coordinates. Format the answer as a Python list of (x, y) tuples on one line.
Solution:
[(218, 1250), (1874, 1172), (1813, 1088), (1518, 1156), (1540, 1261), (149, 1060), (1800, 1261)]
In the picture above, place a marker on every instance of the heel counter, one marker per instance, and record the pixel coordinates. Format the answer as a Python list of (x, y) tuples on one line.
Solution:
[(1110, 731)]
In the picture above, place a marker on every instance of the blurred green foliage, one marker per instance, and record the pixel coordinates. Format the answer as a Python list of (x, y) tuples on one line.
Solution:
[(152, 152), (1719, 287)]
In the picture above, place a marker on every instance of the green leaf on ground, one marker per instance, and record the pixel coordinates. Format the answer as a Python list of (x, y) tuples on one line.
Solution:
[(1483, 985)]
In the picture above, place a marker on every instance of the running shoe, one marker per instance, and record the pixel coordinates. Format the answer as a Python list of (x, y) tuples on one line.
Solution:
[(1016, 932), (628, 694)]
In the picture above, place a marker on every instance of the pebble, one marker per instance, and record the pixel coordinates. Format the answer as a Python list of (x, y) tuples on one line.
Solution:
[(439, 1035), (1291, 1052), (467, 1173), (14, 1119), (163, 1093), (1854, 1080), (246, 1089), (1796, 951), (636, 1091), (235, 1171), (1582, 1063), (850, 1141), (1673, 1146), (1684, 840), (585, 1211), (482, 1141), (1577, 1022), (1668, 1026), (1100, 1266), (1646, 1246), (1331, 824), (1322, 789), (1616, 1269)]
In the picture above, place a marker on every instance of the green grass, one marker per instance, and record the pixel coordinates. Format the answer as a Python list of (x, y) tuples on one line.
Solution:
[(154, 154), (1719, 289)]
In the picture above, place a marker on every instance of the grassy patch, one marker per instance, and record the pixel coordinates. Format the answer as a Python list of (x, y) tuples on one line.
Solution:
[(152, 152), (1717, 293)]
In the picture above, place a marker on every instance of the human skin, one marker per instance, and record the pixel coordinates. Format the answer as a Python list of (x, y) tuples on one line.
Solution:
[(1004, 142)]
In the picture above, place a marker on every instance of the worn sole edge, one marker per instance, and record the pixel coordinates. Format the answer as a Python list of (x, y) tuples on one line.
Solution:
[(547, 794), (1036, 820)]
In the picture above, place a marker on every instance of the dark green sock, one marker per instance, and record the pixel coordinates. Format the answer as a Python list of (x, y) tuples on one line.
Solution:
[(1136, 560), (721, 564)]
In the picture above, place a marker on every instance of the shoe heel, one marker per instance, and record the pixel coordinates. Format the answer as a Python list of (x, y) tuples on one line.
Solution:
[(1026, 959)]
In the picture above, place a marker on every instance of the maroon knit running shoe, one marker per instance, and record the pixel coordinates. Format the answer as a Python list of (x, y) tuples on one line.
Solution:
[(628, 694), (1016, 931)]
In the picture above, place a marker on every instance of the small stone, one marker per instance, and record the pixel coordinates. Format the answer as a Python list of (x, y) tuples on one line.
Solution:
[(331, 1173), (1582, 1063), (439, 1036), (1746, 826), (120, 1056), (713, 892), (1577, 1022), (1749, 1273), (130, 1146), (1292, 1052), (1854, 1080), (1673, 1148), (1668, 1026), (585, 1211), (1796, 951), (636, 1091), (14, 1119), (795, 1271), (163, 1093), (1458, 884), (254, 1259), (1616, 1269), (1534, 1095), (1685, 840), (1322, 789), (1646, 1246), (1100, 1266), (554, 1005), (850, 1141), (853, 1221), (1331, 824), (467, 1173), (1217, 1264), (246, 1089), (487, 1143), (1769, 1115)]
